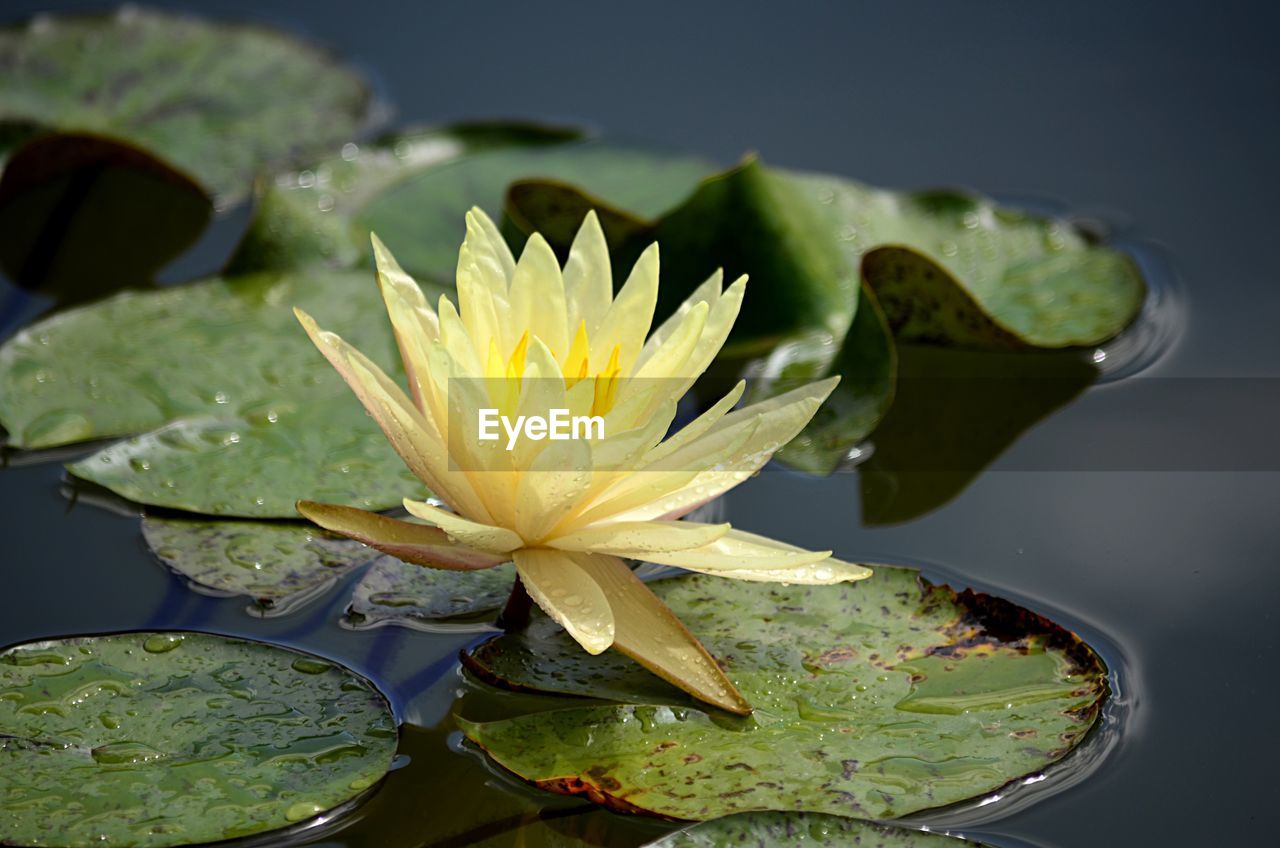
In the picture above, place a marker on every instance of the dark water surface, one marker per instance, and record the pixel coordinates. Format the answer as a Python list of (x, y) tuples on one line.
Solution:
[(1144, 514)]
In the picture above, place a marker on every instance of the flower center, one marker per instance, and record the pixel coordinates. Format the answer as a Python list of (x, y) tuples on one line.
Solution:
[(575, 368)]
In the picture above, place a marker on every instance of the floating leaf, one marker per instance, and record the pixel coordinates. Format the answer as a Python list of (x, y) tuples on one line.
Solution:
[(252, 418), (395, 592), (259, 464), (872, 700), (256, 418), (943, 267), (765, 829), (283, 565), (413, 189), (220, 101), (307, 217), (155, 739), (141, 359), (280, 565)]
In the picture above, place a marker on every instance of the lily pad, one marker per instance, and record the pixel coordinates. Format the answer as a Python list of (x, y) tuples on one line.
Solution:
[(872, 700), (306, 217), (766, 829), (395, 592), (219, 101), (285, 565), (414, 188), (282, 566), (839, 269), (250, 417), (171, 738)]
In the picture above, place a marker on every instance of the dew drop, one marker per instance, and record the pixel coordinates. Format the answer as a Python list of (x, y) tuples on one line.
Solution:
[(161, 643)]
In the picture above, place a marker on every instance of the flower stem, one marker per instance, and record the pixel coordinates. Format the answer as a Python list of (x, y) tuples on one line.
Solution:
[(515, 615)]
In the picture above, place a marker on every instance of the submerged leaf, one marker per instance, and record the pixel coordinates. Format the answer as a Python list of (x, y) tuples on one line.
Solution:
[(219, 101), (872, 699), (182, 738), (765, 829), (281, 566)]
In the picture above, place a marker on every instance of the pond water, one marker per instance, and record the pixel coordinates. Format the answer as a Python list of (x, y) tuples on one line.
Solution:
[(1142, 515)]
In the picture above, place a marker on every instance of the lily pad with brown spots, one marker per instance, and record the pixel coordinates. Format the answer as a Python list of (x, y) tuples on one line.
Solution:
[(872, 700)]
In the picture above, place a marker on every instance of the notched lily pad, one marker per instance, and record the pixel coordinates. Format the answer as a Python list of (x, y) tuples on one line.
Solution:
[(395, 592), (766, 829), (281, 566), (173, 738), (220, 101), (872, 700), (840, 270)]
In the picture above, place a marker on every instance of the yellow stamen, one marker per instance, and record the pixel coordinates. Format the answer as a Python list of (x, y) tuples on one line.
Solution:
[(578, 364), (515, 368), (606, 389)]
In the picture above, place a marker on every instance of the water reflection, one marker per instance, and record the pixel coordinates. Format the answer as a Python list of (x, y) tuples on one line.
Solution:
[(82, 216), (954, 412)]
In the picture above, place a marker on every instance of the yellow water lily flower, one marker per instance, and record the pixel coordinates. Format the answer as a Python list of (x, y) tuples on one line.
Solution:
[(529, 336)]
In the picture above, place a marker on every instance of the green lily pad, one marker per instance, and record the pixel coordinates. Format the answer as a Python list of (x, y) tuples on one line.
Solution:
[(224, 348), (219, 101), (282, 566), (285, 565), (395, 592), (307, 217), (840, 269), (765, 829), (251, 417), (872, 700), (155, 739), (414, 188)]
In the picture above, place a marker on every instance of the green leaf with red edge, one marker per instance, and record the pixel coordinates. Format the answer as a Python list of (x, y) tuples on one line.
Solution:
[(872, 700)]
